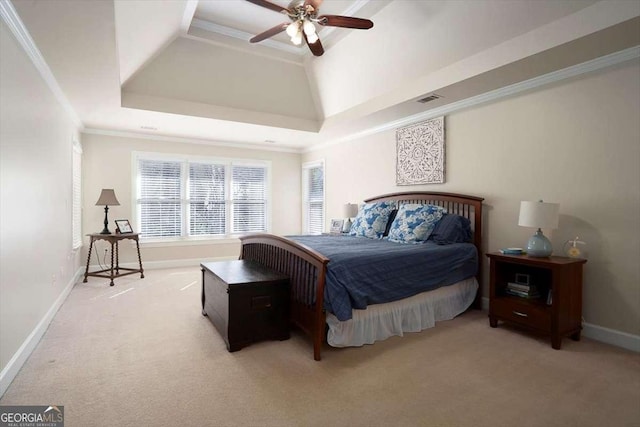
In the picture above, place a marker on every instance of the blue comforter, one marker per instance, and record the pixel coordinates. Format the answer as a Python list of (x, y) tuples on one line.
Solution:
[(364, 271)]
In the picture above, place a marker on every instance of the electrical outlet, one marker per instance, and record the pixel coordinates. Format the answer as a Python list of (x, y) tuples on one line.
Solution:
[(53, 279)]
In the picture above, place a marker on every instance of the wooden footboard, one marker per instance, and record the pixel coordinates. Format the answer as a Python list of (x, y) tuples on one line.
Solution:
[(306, 269)]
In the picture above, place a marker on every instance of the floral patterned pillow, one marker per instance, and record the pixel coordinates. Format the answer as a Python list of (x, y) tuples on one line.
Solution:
[(372, 219), (415, 222)]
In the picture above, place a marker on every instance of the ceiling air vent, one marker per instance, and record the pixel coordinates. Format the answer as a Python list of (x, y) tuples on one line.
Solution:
[(429, 98)]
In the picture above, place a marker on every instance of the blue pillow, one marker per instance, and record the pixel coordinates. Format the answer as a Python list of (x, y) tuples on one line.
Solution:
[(452, 228), (372, 220), (415, 222)]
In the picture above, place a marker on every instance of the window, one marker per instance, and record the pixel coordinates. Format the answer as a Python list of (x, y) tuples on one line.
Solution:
[(187, 197), (313, 197), (76, 166)]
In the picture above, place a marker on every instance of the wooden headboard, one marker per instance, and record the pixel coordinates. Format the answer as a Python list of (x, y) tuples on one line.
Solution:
[(307, 268)]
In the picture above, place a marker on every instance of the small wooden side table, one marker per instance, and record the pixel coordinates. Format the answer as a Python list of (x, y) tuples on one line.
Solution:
[(556, 310), (112, 273)]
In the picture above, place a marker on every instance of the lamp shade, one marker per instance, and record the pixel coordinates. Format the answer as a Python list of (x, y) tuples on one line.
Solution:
[(107, 198), (539, 214), (350, 210)]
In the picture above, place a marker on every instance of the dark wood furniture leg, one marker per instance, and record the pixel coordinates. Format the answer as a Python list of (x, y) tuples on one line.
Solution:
[(86, 271), (139, 259), (112, 275), (117, 259)]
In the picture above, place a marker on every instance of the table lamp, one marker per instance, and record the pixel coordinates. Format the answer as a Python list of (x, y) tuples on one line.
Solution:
[(350, 210), (539, 215), (107, 198)]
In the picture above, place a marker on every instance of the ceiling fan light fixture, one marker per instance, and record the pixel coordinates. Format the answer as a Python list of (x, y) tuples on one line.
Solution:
[(308, 27), (297, 38), (304, 16), (312, 38), (293, 29)]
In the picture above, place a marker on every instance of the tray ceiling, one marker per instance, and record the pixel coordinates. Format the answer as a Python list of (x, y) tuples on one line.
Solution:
[(185, 68)]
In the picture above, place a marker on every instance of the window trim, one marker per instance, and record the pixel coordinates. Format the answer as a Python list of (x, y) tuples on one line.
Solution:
[(305, 190), (184, 159), (76, 205)]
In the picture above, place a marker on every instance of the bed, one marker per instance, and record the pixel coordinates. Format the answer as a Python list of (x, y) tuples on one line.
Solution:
[(309, 269)]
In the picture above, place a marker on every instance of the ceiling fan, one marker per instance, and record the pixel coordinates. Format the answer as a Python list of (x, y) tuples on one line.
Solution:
[(303, 15)]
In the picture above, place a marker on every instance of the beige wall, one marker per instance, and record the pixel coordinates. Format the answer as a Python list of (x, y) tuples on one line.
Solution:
[(37, 263), (108, 164), (575, 143)]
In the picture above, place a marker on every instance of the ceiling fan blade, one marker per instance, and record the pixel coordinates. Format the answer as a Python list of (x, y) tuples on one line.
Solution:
[(345, 21), (315, 3), (269, 5), (269, 33), (315, 48)]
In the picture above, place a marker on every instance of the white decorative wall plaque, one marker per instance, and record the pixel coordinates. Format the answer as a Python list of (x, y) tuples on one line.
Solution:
[(420, 153)]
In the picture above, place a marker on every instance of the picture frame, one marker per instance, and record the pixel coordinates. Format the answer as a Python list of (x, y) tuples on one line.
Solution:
[(336, 226), (123, 226), (420, 153)]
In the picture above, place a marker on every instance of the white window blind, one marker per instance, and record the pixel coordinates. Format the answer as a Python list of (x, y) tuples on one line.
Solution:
[(207, 207), (249, 199), (182, 198), (313, 187), (76, 166), (160, 198)]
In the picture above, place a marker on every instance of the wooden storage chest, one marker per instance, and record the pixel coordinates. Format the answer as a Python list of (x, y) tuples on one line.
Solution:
[(245, 301)]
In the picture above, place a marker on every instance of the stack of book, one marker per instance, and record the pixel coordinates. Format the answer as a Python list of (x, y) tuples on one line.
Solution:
[(522, 290)]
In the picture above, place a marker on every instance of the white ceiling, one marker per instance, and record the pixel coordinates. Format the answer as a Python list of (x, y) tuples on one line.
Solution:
[(185, 69)]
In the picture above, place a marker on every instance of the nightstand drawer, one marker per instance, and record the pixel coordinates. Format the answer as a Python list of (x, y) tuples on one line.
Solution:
[(526, 314)]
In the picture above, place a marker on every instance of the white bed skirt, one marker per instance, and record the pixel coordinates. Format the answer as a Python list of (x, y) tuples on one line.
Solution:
[(381, 321)]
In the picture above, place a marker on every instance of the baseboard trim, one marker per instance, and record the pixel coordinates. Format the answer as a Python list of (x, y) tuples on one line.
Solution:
[(20, 357), (611, 336)]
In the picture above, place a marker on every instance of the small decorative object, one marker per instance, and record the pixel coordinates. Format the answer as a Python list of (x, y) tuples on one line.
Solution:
[(572, 248), (522, 279), (123, 226), (512, 251), (350, 211), (336, 226), (107, 198), (539, 215), (420, 153)]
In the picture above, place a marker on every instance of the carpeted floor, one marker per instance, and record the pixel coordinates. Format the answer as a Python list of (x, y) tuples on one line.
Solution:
[(141, 354)]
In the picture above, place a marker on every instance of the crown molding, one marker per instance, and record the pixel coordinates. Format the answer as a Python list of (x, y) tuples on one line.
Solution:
[(494, 95), (20, 32), (187, 16), (183, 140)]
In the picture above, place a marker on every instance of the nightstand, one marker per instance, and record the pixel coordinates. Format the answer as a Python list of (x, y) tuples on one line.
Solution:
[(556, 307)]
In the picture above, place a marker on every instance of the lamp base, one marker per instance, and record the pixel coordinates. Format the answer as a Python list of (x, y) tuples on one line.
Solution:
[(539, 246), (347, 226), (105, 230)]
